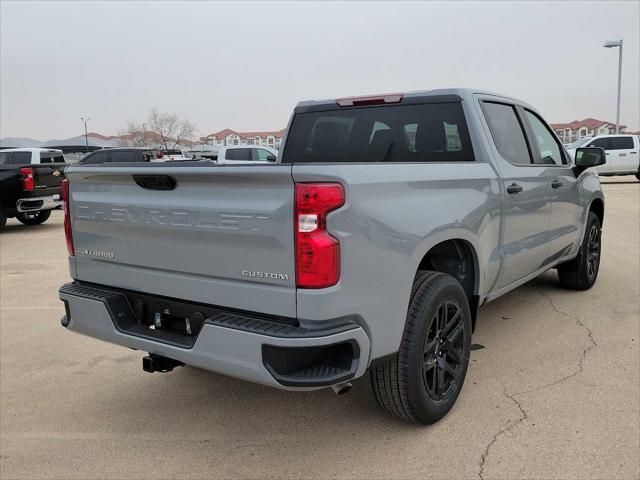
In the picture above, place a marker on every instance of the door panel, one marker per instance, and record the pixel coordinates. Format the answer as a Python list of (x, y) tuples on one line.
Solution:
[(624, 155), (526, 193), (566, 211)]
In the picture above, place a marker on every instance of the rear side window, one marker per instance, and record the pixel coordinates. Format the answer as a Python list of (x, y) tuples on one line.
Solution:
[(621, 143), (399, 133), (20, 158), (239, 154), (99, 157), (5, 157), (123, 156), (51, 157), (507, 132)]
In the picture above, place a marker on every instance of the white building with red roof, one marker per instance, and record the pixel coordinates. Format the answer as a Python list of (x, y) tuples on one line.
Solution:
[(589, 127), (232, 137)]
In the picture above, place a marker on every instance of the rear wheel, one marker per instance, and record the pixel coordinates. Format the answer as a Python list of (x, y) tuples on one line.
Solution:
[(638, 175), (581, 273), (3, 220), (34, 218), (423, 381)]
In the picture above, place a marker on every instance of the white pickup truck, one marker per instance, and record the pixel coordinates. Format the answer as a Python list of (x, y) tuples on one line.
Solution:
[(623, 153), (239, 154)]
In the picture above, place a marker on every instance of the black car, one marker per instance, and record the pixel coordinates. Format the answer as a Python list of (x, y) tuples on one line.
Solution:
[(120, 155)]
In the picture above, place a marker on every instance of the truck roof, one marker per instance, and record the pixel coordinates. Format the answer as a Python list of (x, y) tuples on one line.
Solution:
[(460, 93), (31, 149)]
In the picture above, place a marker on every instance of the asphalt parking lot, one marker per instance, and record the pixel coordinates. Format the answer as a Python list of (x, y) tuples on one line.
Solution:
[(554, 393)]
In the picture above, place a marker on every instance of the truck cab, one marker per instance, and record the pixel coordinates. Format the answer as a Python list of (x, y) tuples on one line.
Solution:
[(622, 152), (246, 154)]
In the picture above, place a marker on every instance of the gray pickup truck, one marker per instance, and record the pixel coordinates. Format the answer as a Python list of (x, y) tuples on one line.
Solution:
[(368, 246)]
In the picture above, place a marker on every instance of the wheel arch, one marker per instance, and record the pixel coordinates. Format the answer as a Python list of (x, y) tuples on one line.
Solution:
[(597, 207), (456, 256)]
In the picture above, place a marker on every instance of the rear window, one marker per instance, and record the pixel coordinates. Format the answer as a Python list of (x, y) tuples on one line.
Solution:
[(51, 157), (399, 133)]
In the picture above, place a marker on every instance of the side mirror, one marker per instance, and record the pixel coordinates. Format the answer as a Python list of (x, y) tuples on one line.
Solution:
[(271, 158), (588, 157)]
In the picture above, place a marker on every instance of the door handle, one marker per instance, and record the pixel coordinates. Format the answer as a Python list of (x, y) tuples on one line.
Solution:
[(514, 188), (556, 184), (155, 182)]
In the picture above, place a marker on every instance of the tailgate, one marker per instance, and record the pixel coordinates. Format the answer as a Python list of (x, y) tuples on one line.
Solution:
[(48, 179), (221, 236)]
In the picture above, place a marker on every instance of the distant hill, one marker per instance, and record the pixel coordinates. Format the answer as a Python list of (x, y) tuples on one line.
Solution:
[(18, 142)]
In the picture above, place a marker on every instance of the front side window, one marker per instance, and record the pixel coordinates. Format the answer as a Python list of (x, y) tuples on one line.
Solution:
[(601, 142), (621, 143), (123, 156), (550, 151), (507, 132), (391, 133), (99, 157), (263, 154)]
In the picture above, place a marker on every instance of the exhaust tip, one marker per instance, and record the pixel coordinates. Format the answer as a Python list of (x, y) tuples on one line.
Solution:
[(342, 388)]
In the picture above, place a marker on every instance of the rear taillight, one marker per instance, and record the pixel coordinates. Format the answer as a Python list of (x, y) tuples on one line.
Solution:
[(28, 183), (317, 252), (64, 194)]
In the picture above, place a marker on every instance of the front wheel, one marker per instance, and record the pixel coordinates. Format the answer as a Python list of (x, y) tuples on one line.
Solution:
[(638, 175), (3, 220), (423, 381), (33, 218), (581, 272)]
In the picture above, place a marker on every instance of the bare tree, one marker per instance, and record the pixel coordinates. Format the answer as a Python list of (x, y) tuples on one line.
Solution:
[(169, 129), (133, 135)]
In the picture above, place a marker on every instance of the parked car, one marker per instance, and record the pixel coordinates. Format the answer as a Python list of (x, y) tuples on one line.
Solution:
[(175, 155), (623, 153), (33, 156), (121, 155), (239, 154), (30, 182), (369, 245)]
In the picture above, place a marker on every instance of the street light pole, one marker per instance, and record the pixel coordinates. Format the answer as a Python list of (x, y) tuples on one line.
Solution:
[(611, 44), (86, 135)]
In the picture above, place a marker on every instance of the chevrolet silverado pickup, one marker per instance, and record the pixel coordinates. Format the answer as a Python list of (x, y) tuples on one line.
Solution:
[(30, 183), (367, 247)]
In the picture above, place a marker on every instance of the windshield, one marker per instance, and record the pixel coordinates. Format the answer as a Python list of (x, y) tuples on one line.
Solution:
[(577, 143), (400, 133)]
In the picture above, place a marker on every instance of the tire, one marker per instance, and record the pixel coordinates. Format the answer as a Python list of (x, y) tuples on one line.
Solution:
[(3, 220), (581, 272), (638, 175), (34, 218), (415, 385)]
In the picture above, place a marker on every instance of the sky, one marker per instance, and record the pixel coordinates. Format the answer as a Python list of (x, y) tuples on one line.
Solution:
[(245, 65)]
